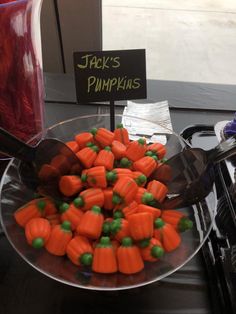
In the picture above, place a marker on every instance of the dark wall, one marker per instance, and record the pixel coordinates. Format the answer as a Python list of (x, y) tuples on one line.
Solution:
[(67, 26)]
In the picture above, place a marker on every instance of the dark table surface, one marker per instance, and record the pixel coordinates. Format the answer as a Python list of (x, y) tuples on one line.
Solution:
[(24, 290)]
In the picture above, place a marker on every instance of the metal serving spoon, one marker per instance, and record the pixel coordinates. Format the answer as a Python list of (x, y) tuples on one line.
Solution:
[(190, 174), (41, 165)]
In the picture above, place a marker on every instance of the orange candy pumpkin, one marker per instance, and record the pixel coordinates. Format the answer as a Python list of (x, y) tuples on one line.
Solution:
[(84, 138), (141, 226), (142, 208), (124, 190), (70, 185), (120, 228), (91, 223), (146, 165), (104, 259), (37, 232), (32, 209), (87, 155), (157, 189), (177, 219), (129, 257), (80, 251), (88, 198), (103, 136), (118, 149), (166, 233), (108, 194), (158, 149), (151, 250), (121, 134), (136, 149), (95, 177), (71, 213), (59, 238), (105, 158), (73, 145)]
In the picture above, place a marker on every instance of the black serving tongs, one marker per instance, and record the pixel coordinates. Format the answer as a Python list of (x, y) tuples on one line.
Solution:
[(190, 175), (42, 165)]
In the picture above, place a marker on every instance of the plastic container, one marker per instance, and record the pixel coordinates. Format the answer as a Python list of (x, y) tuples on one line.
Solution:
[(21, 80)]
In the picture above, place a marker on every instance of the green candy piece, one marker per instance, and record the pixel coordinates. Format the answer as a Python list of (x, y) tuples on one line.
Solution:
[(111, 176), (86, 259), (66, 225), (141, 141), (185, 224), (115, 225), (141, 179), (116, 199), (118, 214), (127, 241), (95, 148), (83, 177), (149, 153), (125, 162), (38, 243), (144, 243), (119, 126), (147, 198), (159, 223), (106, 227), (78, 202), (94, 131), (96, 209), (104, 242), (157, 251), (90, 144), (63, 207), (41, 205), (154, 157)]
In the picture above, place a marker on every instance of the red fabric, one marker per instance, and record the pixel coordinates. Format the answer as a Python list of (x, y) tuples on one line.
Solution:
[(5, 1), (20, 73)]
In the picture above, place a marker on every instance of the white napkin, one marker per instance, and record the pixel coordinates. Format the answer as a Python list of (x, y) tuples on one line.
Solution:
[(158, 121)]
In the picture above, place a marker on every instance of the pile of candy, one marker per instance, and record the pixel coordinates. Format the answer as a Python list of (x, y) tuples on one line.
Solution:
[(114, 222)]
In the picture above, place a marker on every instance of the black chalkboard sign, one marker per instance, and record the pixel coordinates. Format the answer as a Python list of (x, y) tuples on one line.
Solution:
[(110, 75)]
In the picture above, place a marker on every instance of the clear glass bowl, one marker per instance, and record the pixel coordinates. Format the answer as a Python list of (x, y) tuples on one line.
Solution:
[(13, 194)]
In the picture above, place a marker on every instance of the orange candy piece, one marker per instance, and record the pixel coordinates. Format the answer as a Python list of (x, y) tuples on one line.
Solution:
[(37, 232), (103, 136), (105, 158), (70, 185), (32, 209), (91, 223), (136, 149), (141, 226), (95, 177), (83, 138), (124, 190), (87, 156), (129, 257), (104, 259), (59, 238), (88, 198), (121, 134), (157, 189), (80, 251)]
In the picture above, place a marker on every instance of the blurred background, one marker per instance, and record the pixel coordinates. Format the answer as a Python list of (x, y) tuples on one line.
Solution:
[(191, 41)]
